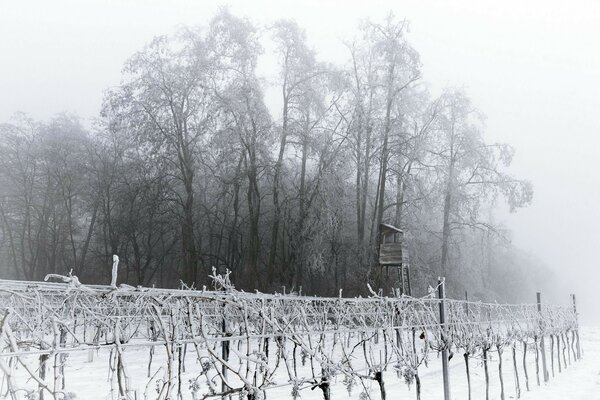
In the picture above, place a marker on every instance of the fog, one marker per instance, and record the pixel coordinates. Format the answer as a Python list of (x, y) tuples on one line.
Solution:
[(532, 67)]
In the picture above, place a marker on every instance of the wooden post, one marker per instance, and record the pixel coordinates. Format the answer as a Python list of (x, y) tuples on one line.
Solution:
[(517, 383), (576, 325), (525, 364), (402, 279), (558, 352), (466, 354), (552, 354), (408, 287), (441, 297), (43, 361), (499, 348), (224, 354), (115, 266), (542, 347)]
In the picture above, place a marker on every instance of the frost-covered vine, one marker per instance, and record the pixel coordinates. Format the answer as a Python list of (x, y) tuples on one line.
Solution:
[(200, 344)]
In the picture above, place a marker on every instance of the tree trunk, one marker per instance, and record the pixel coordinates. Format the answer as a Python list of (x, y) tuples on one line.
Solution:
[(190, 273), (298, 256), (447, 207), (276, 178), (379, 379), (253, 197)]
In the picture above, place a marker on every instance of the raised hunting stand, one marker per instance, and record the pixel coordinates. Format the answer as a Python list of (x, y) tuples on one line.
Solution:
[(393, 253)]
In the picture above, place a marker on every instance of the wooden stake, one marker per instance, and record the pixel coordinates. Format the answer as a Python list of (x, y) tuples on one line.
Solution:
[(537, 361), (552, 354), (487, 374), (577, 325), (224, 355), (441, 297), (115, 267), (542, 347), (558, 352), (517, 384), (525, 365)]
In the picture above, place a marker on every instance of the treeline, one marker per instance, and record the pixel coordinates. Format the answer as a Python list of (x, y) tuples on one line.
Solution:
[(198, 161)]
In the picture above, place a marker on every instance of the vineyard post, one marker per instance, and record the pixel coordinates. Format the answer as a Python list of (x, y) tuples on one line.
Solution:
[(466, 353), (576, 325), (441, 297), (115, 267), (224, 352), (539, 307)]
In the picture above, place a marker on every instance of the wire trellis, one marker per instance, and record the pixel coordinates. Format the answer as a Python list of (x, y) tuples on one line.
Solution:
[(248, 343)]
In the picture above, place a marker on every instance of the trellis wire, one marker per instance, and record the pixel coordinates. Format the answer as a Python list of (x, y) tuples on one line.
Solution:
[(356, 339)]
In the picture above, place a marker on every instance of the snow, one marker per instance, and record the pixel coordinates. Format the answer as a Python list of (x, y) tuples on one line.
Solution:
[(579, 381), (300, 345)]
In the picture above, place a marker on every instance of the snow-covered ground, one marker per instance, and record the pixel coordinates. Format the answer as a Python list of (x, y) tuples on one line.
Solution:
[(580, 380)]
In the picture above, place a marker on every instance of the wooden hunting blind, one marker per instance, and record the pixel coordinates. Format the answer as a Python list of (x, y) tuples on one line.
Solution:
[(393, 253)]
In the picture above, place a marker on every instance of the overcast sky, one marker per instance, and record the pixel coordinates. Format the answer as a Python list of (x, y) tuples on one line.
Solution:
[(533, 67)]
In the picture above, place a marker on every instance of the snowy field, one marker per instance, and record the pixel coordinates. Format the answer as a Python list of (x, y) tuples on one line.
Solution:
[(580, 380), (100, 343)]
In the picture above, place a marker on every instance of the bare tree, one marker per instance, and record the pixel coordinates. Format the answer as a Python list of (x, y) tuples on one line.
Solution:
[(235, 41), (298, 70), (384, 67), (471, 169), (167, 102), (198, 160)]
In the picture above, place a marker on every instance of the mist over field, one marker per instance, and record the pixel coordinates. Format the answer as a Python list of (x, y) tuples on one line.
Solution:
[(293, 196), (321, 199)]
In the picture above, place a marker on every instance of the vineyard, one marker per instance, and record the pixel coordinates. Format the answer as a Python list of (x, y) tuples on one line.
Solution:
[(149, 343)]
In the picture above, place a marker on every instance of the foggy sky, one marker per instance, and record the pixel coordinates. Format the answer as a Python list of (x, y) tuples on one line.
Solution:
[(533, 67)]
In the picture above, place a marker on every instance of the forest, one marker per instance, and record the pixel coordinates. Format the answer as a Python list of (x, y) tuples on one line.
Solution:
[(238, 146)]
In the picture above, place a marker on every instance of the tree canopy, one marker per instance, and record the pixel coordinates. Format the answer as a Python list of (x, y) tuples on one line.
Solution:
[(191, 165)]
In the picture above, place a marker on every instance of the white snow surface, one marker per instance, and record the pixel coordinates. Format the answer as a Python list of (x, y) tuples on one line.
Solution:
[(579, 381)]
